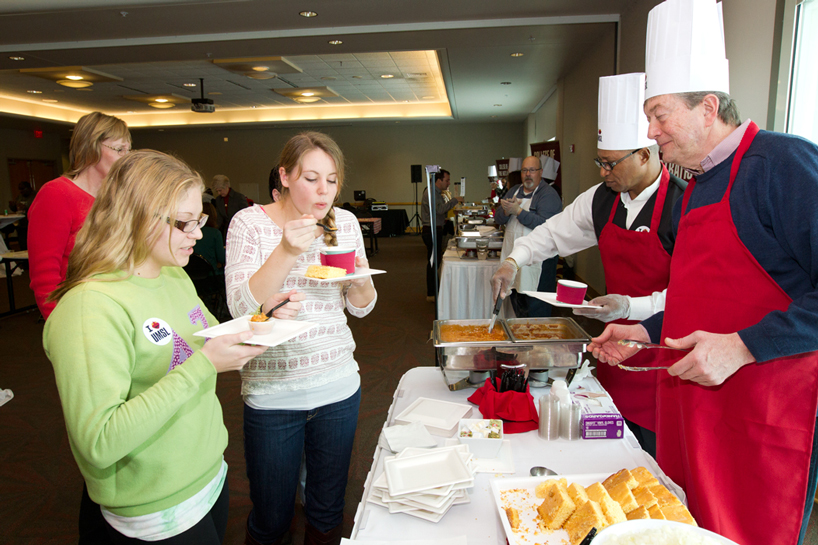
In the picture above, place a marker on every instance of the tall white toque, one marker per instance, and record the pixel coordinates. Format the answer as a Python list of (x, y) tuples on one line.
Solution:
[(685, 48), (621, 119)]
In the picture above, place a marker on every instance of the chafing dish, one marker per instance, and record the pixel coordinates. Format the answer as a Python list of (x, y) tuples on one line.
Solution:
[(458, 360)]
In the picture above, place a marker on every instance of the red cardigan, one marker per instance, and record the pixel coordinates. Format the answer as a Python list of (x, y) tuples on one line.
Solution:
[(55, 216)]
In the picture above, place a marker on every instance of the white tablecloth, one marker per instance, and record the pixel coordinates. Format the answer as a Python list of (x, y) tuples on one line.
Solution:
[(478, 520), (465, 287)]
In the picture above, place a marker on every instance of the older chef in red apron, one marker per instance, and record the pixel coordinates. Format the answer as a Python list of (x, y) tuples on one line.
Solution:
[(736, 416), (628, 216)]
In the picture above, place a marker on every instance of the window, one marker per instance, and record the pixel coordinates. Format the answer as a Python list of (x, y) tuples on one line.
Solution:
[(802, 115)]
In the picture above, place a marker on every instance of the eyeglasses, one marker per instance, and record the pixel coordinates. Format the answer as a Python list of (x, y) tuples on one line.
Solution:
[(610, 166), (119, 151), (188, 226), (530, 170)]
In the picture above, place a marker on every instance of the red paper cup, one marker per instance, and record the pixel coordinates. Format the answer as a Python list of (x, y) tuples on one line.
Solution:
[(571, 292), (341, 257)]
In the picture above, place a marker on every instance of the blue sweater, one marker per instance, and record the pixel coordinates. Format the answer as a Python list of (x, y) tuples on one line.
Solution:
[(774, 203)]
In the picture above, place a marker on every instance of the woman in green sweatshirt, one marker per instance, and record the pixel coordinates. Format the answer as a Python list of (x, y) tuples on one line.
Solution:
[(137, 388)]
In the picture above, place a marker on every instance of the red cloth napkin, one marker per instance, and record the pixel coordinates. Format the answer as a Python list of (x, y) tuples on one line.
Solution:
[(516, 409)]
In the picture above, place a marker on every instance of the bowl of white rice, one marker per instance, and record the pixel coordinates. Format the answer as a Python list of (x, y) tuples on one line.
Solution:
[(658, 532)]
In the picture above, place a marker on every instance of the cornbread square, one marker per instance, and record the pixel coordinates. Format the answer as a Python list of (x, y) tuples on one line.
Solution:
[(578, 494), (513, 518), (542, 489), (612, 510), (324, 272), (644, 477), (556, 508), (663, 495), (622, 495), (640, 512), (644, 497), (678, 512), (621, 476), (656, 513), (589, 515)]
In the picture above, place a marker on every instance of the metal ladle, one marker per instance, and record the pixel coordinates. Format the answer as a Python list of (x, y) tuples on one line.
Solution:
[(540, 471)]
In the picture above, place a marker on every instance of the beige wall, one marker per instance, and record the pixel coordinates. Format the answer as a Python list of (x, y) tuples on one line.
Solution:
[(378, 156)]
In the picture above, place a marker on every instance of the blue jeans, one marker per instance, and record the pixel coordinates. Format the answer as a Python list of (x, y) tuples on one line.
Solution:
[(273, 443)]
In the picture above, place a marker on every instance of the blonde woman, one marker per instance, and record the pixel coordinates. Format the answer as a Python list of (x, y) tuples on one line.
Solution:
[(61, 205), (303, 395), (137, 388)]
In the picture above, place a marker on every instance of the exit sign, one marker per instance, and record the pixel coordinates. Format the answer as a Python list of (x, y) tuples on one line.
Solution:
[(38, 134)]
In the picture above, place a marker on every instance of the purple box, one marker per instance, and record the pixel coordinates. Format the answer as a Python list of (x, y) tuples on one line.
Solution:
[(602, 426)]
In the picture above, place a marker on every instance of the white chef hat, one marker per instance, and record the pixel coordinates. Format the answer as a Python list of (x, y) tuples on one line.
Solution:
[(622, 122), (685, 48), (550, 166)]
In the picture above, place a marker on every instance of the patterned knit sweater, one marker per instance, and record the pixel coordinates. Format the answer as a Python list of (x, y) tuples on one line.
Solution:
[(314, 358)]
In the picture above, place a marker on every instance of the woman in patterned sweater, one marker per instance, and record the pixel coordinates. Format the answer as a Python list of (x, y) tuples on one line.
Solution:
[(303, 395)]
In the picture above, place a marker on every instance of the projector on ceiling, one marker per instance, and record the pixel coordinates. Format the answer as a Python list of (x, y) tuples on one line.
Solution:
[(202, 105)]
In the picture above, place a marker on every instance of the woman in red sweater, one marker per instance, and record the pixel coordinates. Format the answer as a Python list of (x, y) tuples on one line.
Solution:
[(61, 205)]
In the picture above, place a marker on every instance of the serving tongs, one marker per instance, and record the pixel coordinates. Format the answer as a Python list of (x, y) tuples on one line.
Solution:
[(639, 344), (495, 312)]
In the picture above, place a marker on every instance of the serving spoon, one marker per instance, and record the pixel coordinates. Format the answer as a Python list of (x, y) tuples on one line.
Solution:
[(539, 471)]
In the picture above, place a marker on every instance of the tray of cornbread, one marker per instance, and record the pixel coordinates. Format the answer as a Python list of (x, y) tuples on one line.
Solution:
[(563, 509), (540, 343)]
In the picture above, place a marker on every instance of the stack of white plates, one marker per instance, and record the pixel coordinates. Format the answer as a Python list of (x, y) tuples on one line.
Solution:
[(425, 483)]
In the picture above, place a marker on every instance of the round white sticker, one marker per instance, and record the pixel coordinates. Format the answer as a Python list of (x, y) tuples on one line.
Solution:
[(157, 331), (643, 229)]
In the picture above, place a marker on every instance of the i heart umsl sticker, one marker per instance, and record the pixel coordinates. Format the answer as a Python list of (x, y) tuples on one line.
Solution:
[(157, 331)]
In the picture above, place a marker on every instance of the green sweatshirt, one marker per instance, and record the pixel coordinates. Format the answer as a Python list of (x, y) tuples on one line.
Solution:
[(139, 397)]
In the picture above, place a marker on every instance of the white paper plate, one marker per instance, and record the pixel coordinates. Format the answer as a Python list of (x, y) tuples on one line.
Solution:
[(637, 527), (502, 463), (360, 272), (439, 417), (435, 469), (525, 500), (551, 299), (283, 330)]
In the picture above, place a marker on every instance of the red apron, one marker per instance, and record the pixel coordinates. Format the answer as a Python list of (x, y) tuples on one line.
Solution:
[(636, 264), (741, 450)]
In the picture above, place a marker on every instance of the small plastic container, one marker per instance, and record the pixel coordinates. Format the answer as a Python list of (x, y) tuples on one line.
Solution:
[(481, 447), (261, 328)]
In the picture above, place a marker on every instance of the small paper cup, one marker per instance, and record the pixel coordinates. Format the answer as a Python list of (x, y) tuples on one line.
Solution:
[(571, 292), (261, 328), (342, 257)]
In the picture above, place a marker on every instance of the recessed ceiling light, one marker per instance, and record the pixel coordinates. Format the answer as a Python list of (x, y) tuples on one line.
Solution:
[(34, 92), (161, 100), (261, 68), (84, 89), (329, 78), (74, 78), (306, 100), (74, 84), (517, 54), (498, 104), (308, 14), (17, 58), (261, 75), (357, 77), (50, 100), (188, 85), (335, 42), (161, 105), (307, 94), (387, 76), (505, 83)]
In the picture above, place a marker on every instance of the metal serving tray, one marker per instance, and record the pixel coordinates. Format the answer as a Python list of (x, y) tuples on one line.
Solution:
[(536, 353)]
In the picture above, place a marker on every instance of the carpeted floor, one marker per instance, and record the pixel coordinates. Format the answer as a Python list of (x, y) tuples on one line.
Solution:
[(39, 481)]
